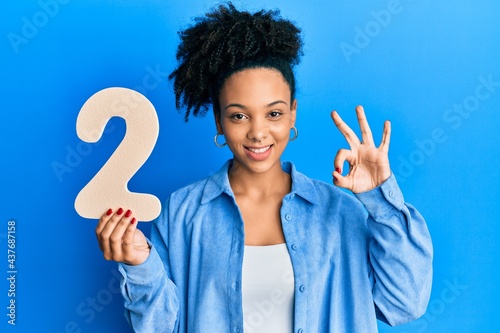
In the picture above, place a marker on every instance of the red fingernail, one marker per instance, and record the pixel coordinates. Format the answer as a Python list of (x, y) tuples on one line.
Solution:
[(119, 211), (338, 170), (109, 212), (133, 221), (128, 213)]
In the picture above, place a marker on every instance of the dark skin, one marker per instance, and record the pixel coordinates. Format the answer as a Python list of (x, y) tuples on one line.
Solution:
[(256, 114), (255, 117)]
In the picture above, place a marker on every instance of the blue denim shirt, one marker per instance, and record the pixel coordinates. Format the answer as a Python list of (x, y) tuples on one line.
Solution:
[(351, 264)]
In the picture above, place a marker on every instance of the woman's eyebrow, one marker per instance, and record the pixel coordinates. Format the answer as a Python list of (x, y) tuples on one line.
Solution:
[(244, 107), (235, 105), (276, 102)]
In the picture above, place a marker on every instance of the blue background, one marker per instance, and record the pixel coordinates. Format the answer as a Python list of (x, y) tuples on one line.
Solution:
[(415, 67)]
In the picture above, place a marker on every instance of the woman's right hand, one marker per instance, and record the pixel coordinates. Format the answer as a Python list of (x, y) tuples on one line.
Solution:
[(120, 240)]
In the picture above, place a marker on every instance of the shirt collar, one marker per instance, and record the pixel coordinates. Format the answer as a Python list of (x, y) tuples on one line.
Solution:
[(218, 183)]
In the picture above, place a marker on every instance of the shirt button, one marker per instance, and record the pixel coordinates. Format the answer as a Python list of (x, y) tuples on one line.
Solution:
[(391, 193), (236, 329), (288, 217), (294, 247), (235, 286), (300, 330), (302, 288)]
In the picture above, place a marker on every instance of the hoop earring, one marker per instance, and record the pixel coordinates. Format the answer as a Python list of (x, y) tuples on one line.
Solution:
[(217, 143), (295, 134)]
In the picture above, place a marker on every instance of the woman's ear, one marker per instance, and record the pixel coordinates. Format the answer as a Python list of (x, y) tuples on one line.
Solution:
[(218, 124), (293, 110)]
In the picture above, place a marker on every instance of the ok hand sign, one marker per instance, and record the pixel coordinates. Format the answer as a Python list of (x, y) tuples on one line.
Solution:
[(368, 165)]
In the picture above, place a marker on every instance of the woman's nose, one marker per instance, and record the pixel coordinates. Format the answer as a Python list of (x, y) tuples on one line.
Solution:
[(258, 131)]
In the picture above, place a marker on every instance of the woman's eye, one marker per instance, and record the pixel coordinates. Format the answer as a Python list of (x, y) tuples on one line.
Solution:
[(274, 114), (238, 116)]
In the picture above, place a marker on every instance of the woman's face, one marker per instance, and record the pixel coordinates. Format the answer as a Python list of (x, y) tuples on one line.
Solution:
[(256, 117)]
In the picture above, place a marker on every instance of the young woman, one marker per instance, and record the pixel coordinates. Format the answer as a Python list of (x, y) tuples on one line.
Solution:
[(258, 246)]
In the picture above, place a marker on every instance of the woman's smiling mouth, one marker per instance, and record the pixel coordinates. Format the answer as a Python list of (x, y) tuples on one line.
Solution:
[(258, 153), (258, 150)]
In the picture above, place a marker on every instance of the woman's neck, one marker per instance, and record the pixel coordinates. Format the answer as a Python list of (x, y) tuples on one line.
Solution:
[(269, 183)]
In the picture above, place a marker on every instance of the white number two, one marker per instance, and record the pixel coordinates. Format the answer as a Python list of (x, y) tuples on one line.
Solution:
[(108, 188)]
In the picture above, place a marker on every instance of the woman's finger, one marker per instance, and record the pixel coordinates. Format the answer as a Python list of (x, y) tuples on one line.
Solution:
[(346, 131), (342, 156), (386, 137), (116, 237), (340, 180), (128, 248), (107, 231), (101, 224), (366, 132)]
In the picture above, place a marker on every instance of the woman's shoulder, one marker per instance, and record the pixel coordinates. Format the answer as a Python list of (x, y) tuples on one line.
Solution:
[(327, 190), (317, 189), (191, 190), (206, 187)]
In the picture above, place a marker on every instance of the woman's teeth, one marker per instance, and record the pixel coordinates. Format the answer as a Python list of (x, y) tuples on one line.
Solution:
[(259, 150)]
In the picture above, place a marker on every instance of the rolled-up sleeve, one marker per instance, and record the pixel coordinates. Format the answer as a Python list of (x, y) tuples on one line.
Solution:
[(151, 299), (400, 253)]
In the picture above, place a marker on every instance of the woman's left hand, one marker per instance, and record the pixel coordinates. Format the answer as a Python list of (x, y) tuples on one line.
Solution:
[(368, 165)]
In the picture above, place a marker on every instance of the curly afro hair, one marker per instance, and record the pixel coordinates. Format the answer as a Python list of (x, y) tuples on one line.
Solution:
[(226, 41)]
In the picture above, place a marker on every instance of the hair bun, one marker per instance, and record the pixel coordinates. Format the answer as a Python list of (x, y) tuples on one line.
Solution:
[(221, 40)]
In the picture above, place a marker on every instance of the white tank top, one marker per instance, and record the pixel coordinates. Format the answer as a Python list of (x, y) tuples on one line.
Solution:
[(267, 289)]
